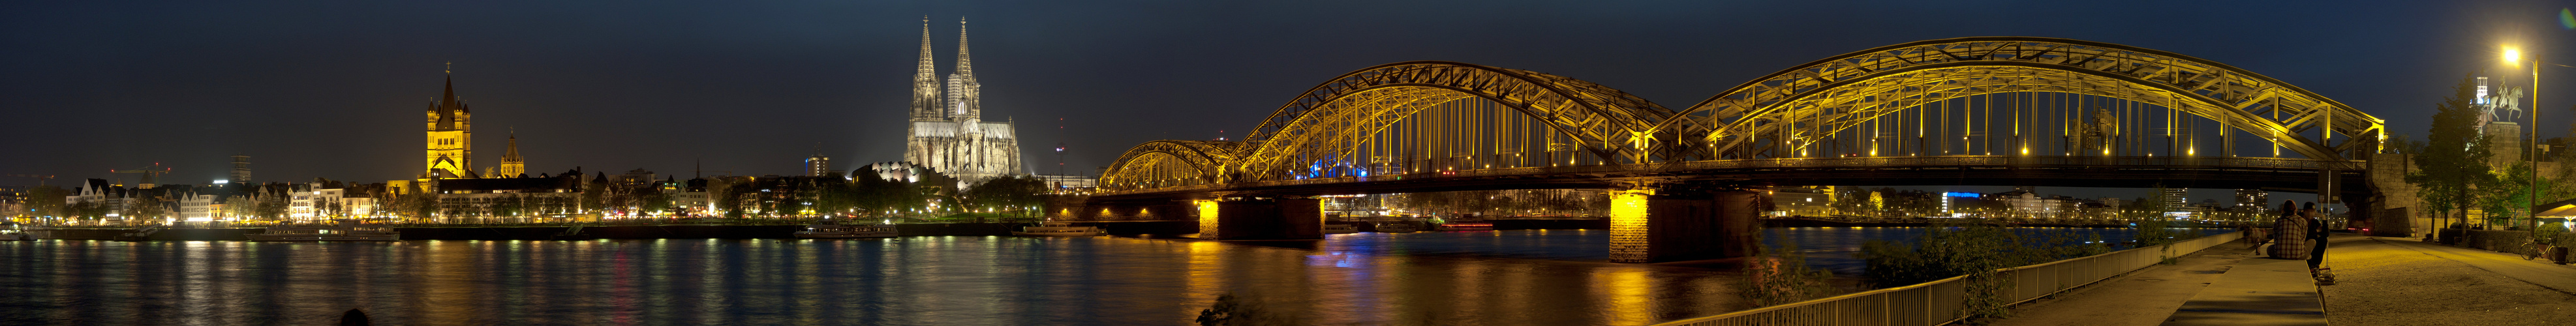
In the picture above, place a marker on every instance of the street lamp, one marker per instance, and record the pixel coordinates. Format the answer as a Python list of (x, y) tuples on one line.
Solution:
[(2531, 149)]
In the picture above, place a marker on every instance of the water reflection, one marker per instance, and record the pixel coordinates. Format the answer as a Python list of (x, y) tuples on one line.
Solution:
[(1557, 277)]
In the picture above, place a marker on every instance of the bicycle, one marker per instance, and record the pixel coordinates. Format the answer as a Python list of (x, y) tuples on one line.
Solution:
[(2537, 249)]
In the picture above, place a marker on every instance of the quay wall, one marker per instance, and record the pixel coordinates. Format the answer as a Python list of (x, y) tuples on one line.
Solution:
[(623, 231)]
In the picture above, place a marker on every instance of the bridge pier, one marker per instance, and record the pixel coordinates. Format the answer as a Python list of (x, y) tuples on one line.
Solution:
[(1260, 219), (1685, 225)]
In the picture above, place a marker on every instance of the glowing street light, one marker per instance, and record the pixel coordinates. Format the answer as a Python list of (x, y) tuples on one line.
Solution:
[(2531, 148)]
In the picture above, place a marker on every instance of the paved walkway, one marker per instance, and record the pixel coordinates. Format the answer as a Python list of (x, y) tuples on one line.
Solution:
[(2256, 292), (2142, 297), (2381, 281), (2403, 281)]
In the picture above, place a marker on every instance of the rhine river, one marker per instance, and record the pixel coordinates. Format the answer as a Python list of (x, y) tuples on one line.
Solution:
[(1551, 277)]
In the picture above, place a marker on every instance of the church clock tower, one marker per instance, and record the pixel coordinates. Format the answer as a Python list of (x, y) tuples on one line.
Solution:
[(450, 137)]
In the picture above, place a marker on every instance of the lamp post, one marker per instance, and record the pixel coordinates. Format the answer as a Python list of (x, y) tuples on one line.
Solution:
[(2531, 150)]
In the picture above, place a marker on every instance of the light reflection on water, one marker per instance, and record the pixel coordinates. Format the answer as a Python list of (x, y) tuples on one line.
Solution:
[(1555, 277)]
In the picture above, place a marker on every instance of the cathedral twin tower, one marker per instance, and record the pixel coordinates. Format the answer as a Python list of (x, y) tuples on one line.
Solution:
[(947, 132)]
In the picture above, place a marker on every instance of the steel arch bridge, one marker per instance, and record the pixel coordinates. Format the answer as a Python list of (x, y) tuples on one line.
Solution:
[(1979, 110)]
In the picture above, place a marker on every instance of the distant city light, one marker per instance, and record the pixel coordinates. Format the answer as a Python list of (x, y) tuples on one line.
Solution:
[(222, 181)]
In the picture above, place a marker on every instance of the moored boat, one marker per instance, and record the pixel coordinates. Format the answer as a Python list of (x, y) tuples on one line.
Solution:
[(14, 234), (1058, 229), (1465, 226), (836, 231), (336, 230), (1397, 227), (1340, 228)]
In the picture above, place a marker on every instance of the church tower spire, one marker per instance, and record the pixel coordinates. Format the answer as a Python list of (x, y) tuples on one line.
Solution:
[(511, 164), (925, 81), (969, 99), (450, 152)]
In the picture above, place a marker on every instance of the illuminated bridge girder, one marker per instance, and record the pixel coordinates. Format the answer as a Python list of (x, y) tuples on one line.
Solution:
[(1171, 163), (2114, 107), (1761, 118), (1334, 115)]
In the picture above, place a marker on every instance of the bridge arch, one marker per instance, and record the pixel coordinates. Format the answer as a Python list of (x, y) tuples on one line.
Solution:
[(1320, 133), (1170, 163), (1780, 115)]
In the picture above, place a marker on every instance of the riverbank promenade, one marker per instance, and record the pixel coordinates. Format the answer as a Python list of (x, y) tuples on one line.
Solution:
[(2380, 281)]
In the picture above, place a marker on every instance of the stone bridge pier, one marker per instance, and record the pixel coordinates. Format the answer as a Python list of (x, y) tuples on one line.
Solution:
[(1260, 218), (1648, 224)]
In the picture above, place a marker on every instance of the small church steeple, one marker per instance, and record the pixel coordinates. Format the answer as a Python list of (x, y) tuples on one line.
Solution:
[(512, 166)]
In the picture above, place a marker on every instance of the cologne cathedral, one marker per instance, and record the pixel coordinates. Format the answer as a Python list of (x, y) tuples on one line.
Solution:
[(948, 132)]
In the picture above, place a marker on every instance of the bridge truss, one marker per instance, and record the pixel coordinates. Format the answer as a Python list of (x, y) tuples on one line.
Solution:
[(1966, 104)]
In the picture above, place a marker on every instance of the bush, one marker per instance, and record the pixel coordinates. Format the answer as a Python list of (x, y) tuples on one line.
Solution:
[(1975, 251), (1781, 276)]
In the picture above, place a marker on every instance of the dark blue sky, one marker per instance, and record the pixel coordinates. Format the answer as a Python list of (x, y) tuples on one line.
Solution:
[(335, 89)]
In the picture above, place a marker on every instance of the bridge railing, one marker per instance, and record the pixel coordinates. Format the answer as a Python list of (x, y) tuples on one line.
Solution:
[(1939, 302), (2032, 161), (2007, 161)]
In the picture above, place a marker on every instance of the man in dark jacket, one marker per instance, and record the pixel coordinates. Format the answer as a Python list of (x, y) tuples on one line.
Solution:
[(2316, 234)]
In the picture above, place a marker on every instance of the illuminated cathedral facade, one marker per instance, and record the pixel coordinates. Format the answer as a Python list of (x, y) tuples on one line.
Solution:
[(947, 131)]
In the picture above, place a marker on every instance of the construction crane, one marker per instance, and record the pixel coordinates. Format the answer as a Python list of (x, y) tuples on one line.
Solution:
[(149, 175), (40, 179)]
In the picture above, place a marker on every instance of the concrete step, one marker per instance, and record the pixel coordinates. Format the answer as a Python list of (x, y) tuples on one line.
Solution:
[(2258, 291)]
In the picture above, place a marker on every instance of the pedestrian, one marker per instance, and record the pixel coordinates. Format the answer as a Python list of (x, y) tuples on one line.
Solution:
[(2316, 235), (2289, 236)]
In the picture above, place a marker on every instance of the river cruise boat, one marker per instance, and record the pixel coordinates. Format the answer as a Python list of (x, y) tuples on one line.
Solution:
[(1397, 227), (1058, 229), (836, 231), (337, 230), (13, 233), (1466, 226), (1341, 228)]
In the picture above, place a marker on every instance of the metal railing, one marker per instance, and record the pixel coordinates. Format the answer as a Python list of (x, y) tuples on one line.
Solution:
[(1939, 302)]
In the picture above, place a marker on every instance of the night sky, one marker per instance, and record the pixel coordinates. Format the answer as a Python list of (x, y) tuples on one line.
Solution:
[(336, 89)]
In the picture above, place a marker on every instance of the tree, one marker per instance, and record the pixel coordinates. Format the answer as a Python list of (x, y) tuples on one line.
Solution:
[(510, 205), (418, 206), (1855, 201), (653, 200), (144, 208), (269, 205), (88, 210), (1012, 194), (2453, 157), (44, 201), (725, 196), (594, 194)]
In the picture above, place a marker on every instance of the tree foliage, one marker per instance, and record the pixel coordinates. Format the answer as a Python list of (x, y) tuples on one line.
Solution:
[(1018, 194), (44, 201), (2453, 157), (1976, 251)]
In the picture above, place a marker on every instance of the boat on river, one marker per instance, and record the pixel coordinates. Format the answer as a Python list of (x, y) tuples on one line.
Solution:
[(1341, 228), (1058, 229), (336, 230), (1397, 227), (837, 231), (1465, 226), (14, 234)]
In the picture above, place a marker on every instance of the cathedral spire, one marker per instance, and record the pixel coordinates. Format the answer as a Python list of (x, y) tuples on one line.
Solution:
[(969, 103), (925, 80)]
